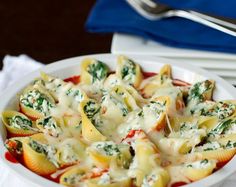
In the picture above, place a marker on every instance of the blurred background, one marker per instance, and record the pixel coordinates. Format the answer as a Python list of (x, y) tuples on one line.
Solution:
[(48, 30)]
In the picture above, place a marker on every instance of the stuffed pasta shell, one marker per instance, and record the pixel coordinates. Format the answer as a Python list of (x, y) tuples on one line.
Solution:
[(129, 71), (36, 102), (18, 124), (93, 71)]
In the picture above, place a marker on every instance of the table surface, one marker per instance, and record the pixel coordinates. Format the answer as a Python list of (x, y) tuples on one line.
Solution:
[(48, 30)]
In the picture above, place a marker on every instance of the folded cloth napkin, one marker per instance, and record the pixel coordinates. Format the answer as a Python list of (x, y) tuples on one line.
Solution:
[(118, 16), (14, 67)]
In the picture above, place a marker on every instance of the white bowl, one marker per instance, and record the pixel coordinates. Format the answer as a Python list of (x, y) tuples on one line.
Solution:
[(70, 67)]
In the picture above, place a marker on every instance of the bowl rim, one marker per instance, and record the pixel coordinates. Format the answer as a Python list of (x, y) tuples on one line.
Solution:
[(34, 179)]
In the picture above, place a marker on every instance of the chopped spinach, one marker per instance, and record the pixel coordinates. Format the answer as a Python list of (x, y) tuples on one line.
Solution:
[(48, 150), (45, 121), (163, 78), (123, 107), (91, 109), (39, 148), (222, 127), (98, 71), (128, 71), (36, 100), (74, 178), (205, 161), (189, 166), (140, 114), (157, 106), (223, 110), (76, 93), (208, 149), (230, 144), (50, 124), (109, 149), (183, 127), (20, 123), (197, 90)]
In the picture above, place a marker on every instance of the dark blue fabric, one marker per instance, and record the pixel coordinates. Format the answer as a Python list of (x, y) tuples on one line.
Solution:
[(118, 16)]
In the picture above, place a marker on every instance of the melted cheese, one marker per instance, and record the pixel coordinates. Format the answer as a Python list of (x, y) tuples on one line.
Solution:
[(122, 115)]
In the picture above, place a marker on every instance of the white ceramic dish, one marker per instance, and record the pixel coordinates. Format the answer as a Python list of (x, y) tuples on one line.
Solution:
[(70, 67)]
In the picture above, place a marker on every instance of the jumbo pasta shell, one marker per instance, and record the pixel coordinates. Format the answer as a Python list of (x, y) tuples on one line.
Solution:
[(174, 146), (232, 102), (224, 139), (100, 160), (166, 70), (71, 174), (39, 137), (86, 78), (208, 122), (220, 155), (45, 125), (195, 174), (127, 97), (176, 121), (225, 104), (70, 152), (16, 131), (208, 94), (157, 81), (41, 89), (74, 124), (161, 178), (158, 125), (37, 162), (136, 95), (47, 78), (89, 131), (161, 122), (149, 90), (147, 158), (30, 112), (179, 104), (164, 99), (122, 61)]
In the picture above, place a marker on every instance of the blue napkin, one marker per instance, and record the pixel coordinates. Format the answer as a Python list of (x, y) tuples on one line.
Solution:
[(117, 16)]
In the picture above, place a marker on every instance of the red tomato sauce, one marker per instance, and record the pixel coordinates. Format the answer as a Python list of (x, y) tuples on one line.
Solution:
[(222, 164), (177, 184), (11, 158), (74, 79), (148, 74)]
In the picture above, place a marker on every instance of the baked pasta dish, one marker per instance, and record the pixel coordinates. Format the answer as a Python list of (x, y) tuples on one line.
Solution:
[(121, 128)]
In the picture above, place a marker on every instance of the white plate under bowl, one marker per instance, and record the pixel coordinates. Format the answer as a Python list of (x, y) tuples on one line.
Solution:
[(70, 67), (130, 44), (222, 64)]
